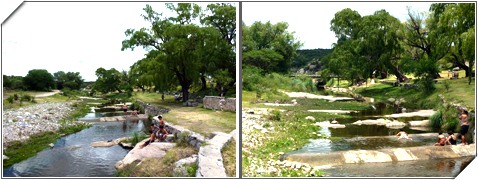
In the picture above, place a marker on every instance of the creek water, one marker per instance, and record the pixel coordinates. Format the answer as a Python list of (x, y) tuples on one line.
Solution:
[(73, 156), (372, 137)]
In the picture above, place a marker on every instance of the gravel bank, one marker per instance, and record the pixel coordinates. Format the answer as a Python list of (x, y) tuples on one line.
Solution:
[(20, 124)]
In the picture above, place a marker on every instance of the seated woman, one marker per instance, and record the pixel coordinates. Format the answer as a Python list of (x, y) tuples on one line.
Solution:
[(441, 139), (451, 139)]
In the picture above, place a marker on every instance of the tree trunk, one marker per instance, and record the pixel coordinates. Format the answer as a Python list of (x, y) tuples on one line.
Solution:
[(400, 76), (203, 81), (184, 89)]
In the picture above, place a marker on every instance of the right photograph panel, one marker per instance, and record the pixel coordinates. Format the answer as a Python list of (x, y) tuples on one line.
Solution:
[(358, 89)]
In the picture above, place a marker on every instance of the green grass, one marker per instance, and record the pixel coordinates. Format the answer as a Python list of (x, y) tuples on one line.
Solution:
[(163, 167), (459, 92), (197, 119), (229, 157)]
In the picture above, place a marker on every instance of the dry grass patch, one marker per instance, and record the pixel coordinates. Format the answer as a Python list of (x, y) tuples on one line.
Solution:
[(229, 157), (153, 167)]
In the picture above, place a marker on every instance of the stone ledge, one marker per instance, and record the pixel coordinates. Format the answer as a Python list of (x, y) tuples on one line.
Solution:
[(210, 161), (383, 155)]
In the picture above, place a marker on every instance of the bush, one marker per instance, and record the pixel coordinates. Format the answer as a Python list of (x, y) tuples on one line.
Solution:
[(26, 98), (10, 99), (274, 115), (137, 137), (182, 139), (446, 84), (427, 85), (15, 97), (435, 120)]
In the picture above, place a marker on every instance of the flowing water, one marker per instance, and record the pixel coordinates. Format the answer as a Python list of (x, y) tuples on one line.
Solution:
[(374, 137), (73, 155)]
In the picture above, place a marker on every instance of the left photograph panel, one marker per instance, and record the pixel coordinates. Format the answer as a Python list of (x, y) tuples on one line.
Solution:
[(120, 89)]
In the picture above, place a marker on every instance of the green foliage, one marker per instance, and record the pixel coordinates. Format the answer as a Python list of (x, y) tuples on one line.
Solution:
[(39, 80), (10, 99), (184, 52), (268, 46), (182, 139), (312, 56), (15, 97), (137, 137), (436, 120), (191, 169), (446, 84), (70, 80), (274, 115), (13, 82), (427, 85)]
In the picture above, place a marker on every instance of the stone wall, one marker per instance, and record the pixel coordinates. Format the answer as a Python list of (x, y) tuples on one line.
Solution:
[(153, 110), (219, 103)]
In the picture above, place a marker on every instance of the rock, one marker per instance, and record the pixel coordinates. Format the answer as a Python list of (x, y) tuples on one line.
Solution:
[(419, 123), (334, 122), (310, 118), (180, 167), (153, 150), (5, 157), (51, 145), (392, 100), (395, 124)]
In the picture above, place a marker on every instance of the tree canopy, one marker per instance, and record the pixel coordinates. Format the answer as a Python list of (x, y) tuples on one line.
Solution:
[(39, 80), (185, 48), (269, 46)]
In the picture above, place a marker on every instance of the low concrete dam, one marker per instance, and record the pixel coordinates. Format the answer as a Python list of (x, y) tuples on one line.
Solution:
[(383, 155)]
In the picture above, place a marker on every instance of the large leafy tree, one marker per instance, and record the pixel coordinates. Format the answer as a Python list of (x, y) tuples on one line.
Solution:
[(269, 46), (39, 80), (365, 45), (180, 48), (108, 80), (71, 80)]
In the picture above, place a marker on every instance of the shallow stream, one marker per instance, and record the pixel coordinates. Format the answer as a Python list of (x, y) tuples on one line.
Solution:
[(73, 156)]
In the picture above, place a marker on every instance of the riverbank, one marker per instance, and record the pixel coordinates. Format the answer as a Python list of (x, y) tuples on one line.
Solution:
[(28, 130)]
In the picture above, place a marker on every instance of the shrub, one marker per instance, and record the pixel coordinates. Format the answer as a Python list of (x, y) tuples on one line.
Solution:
[(182, 139), (435, 120), (26, 98), (275, 115), (446, 84), (10, 99), (15, 97)]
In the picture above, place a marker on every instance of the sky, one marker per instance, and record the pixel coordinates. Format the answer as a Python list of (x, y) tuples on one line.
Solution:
[(72, 36), (311, 20)]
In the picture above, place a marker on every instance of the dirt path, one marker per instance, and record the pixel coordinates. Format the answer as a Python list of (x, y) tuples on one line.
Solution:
[(48, 93)]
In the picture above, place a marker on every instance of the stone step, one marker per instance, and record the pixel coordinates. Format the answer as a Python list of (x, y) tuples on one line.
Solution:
[(383, 155)]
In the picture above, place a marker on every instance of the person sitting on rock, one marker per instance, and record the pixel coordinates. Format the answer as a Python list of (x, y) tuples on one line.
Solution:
[(451, 139), (403, 135), (161, 134), (161, 121), (441, 139), (134, 113), (152, 137)]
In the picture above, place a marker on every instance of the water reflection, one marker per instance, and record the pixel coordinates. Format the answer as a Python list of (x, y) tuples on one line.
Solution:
[(424, 168), (73, 155)]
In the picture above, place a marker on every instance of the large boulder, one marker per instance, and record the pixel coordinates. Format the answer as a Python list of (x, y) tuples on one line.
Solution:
[(180, 167), (153, 150)]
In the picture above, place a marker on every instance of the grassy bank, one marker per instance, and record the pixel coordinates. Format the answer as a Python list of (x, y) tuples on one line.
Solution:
[(18, 151), (229, 157), (456, 90), (153, 167), (197, 119)]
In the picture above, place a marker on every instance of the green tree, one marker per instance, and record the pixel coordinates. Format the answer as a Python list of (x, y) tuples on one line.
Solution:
[(70, 80), (39, 80), (181, 49), (269, 46), (108, 80)]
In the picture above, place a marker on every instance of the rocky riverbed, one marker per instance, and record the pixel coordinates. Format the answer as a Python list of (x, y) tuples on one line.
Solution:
[(253, 135), (21, 123)]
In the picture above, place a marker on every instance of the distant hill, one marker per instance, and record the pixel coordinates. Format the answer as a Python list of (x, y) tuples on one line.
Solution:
[(309, 59)]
